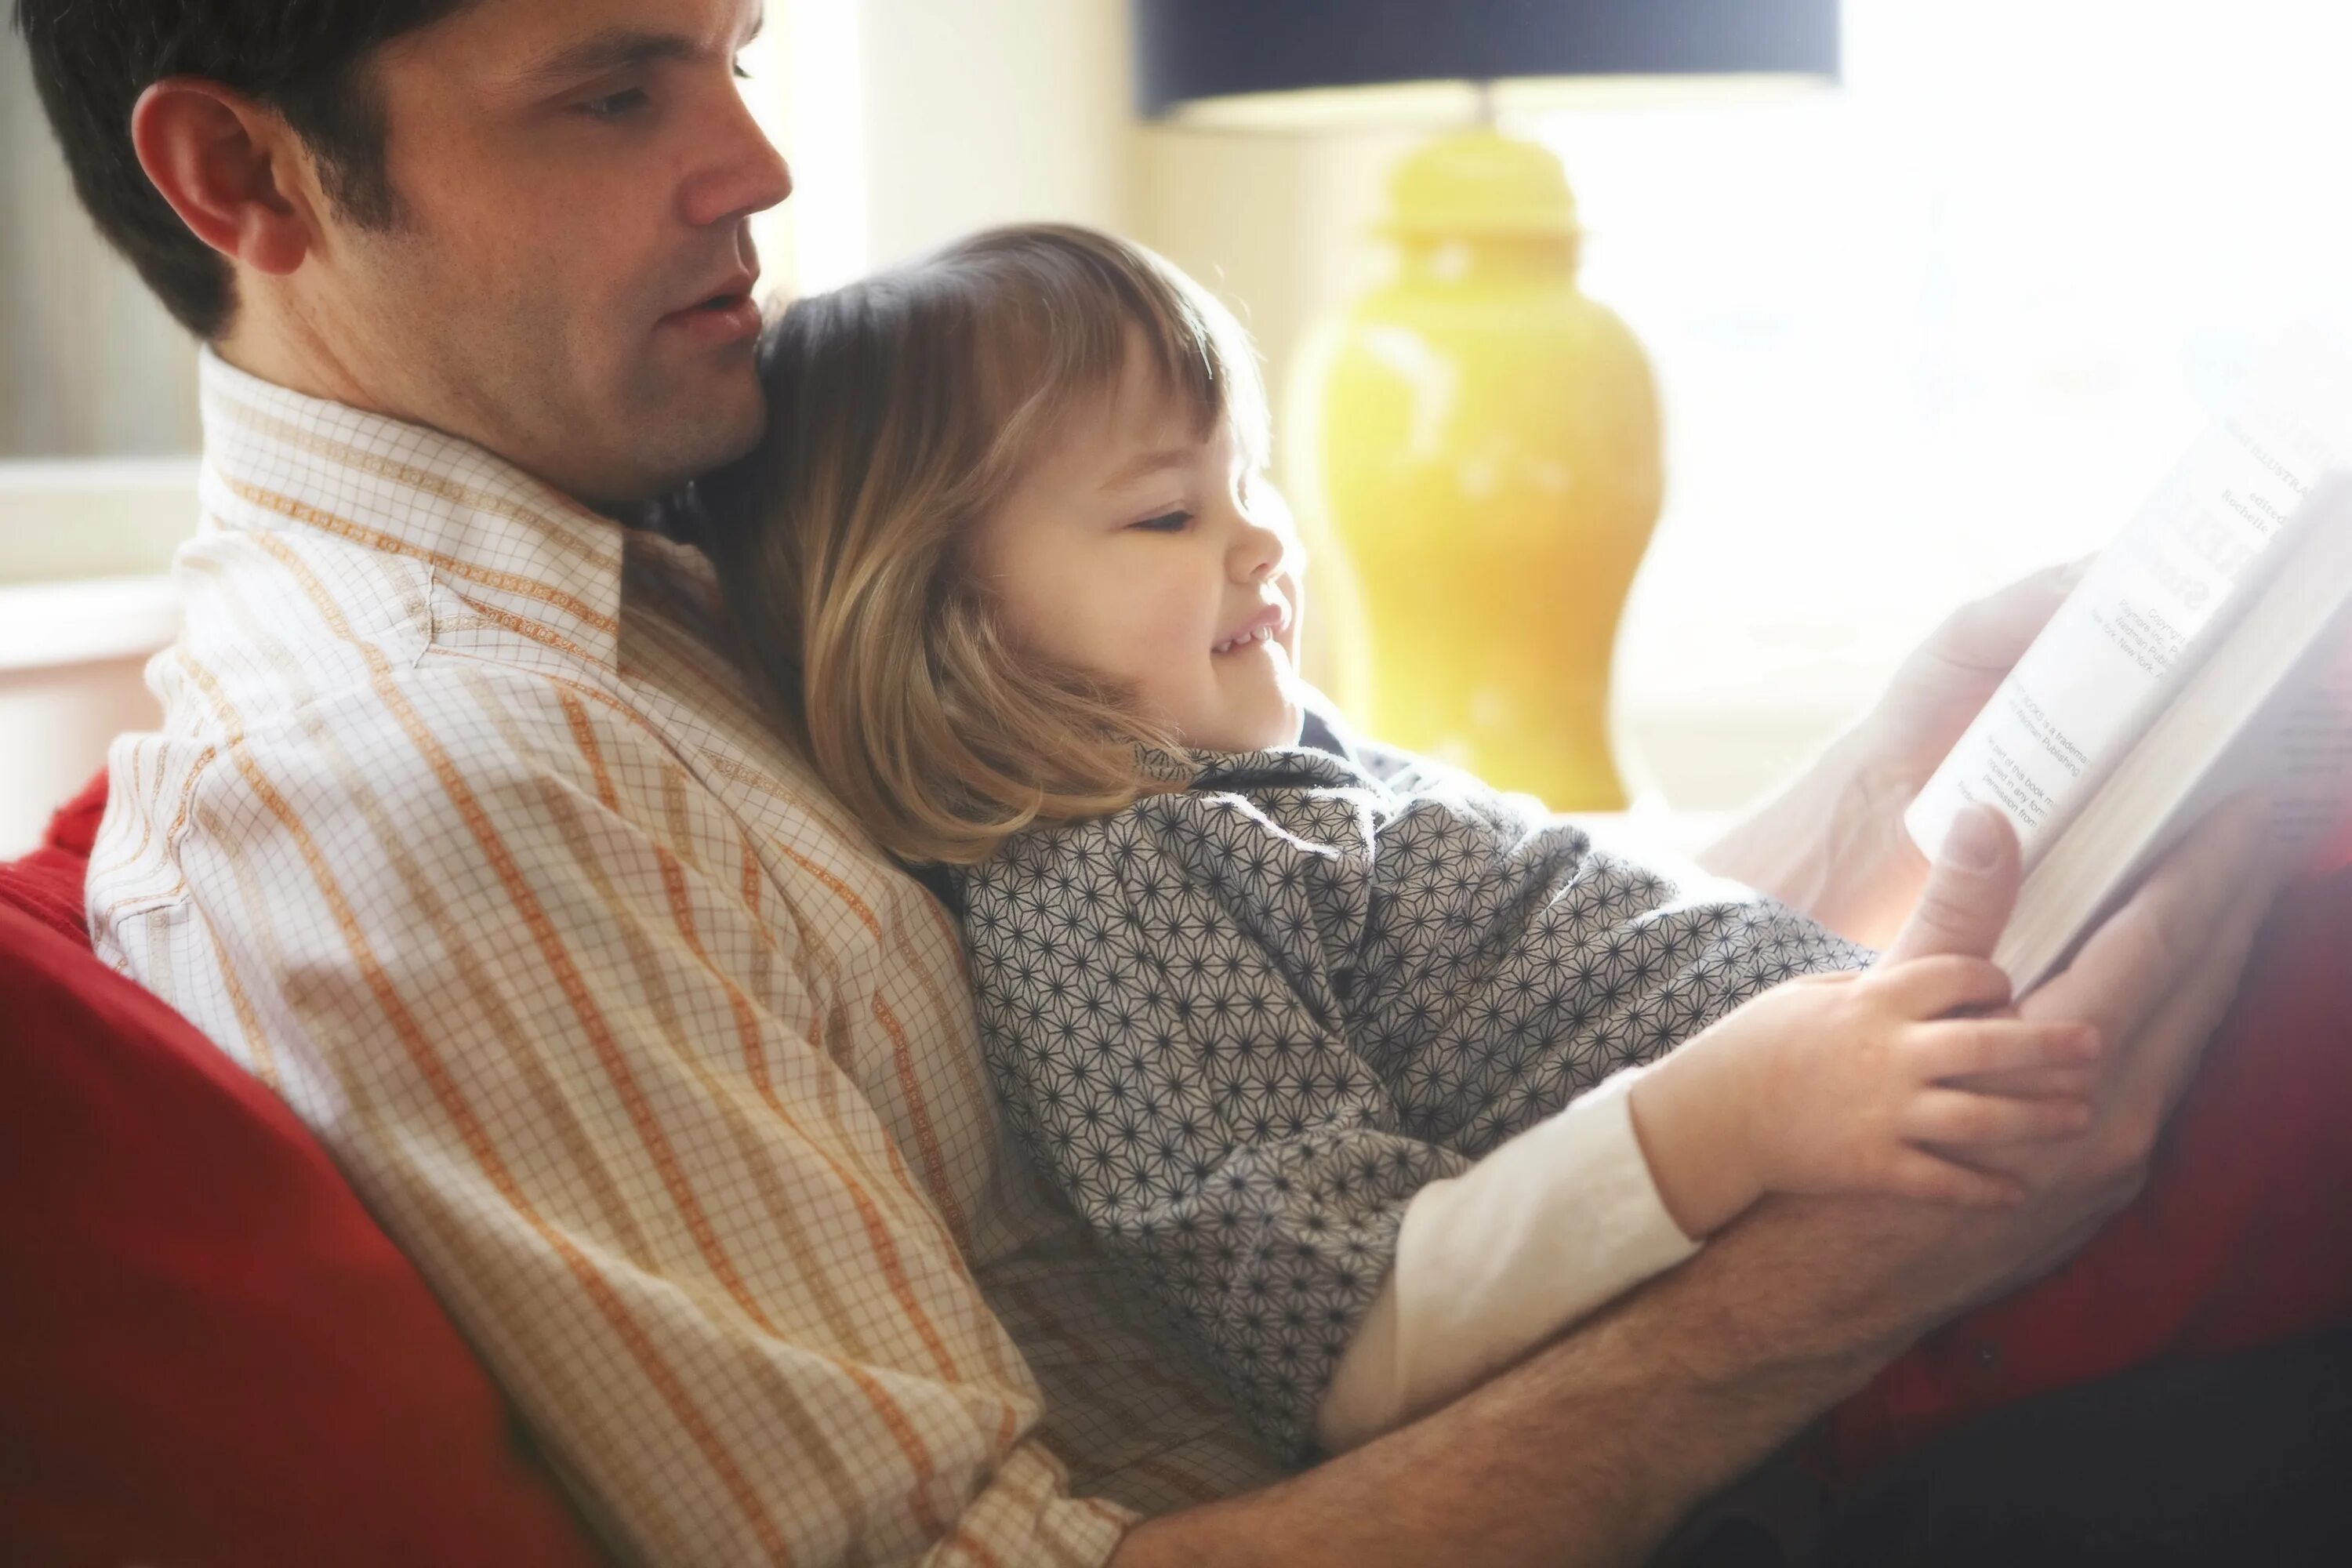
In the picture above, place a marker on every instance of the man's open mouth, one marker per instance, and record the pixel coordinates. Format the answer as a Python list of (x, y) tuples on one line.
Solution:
[(731, 317)]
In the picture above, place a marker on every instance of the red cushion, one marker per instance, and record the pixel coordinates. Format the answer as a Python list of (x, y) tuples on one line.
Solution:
[(47, 884), (208, 1352)]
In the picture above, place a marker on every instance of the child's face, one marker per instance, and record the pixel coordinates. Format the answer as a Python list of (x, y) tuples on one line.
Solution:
[(1139, 549)]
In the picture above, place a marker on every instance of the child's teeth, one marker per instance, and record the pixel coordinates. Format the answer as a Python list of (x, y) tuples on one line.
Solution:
[(1258, 634)]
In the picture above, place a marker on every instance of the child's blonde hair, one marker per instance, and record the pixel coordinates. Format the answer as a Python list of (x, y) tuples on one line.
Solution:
[(901, 409)]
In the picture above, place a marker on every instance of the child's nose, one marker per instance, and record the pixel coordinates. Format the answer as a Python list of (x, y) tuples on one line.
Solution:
[(1257, 549)]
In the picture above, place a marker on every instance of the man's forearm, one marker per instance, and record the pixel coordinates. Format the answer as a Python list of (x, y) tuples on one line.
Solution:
[(1592, 1449)]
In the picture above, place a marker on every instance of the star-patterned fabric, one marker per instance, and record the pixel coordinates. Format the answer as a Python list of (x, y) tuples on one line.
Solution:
[(1240, 1026)]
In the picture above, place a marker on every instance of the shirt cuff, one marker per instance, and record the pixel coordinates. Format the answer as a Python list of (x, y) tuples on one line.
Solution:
[(1492, 1263)]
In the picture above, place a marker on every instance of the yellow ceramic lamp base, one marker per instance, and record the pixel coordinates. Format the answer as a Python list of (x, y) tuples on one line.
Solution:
[(1485, 445)]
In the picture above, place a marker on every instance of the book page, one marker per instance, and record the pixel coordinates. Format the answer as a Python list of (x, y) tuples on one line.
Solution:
[(2102, 666), (2267, 707)]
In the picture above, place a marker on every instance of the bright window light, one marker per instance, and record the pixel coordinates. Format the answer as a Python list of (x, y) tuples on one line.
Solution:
[(1954, 321)]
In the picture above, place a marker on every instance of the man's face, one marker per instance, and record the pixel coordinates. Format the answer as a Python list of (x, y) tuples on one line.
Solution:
[(567, 281)]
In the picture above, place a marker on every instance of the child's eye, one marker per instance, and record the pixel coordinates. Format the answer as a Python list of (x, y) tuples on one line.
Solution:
[(1166, 523)]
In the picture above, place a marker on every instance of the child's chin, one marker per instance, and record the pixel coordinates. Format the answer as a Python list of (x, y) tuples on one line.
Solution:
[(1286, 730), (1269, 722)]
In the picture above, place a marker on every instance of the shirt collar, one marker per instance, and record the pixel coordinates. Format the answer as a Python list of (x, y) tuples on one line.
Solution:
[(277, 460)]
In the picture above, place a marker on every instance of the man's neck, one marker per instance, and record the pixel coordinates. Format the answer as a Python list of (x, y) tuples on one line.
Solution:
[(301, 361)]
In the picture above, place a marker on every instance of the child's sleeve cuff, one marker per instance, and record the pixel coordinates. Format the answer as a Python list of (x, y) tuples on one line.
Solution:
[(1493, 1262)]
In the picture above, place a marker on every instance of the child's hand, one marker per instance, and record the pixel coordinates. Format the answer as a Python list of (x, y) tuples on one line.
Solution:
[(1854, 1083)]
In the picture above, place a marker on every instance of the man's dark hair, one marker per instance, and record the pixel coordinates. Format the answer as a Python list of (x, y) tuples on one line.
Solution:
[(306, 60)]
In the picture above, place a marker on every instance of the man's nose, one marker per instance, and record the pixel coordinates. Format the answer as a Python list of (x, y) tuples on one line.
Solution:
[(741, 172)]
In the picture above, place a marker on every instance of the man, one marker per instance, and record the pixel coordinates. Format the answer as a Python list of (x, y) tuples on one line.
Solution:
[(462, 835)]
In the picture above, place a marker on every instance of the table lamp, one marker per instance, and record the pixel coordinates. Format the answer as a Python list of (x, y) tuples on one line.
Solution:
[(1478, 436)]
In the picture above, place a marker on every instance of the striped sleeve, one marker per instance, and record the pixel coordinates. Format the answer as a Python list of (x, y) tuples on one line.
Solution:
[(491, 938)]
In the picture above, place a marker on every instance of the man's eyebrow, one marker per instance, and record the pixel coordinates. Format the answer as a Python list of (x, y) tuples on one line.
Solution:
[(1147, 464), (614, 49)]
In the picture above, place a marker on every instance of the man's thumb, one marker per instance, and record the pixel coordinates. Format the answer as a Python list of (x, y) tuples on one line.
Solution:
[(1970, 890)]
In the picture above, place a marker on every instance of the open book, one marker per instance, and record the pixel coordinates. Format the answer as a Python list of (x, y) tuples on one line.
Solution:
[(2208, 650)]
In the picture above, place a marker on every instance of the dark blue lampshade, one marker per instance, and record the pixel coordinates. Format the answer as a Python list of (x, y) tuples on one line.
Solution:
[(1192, 50)]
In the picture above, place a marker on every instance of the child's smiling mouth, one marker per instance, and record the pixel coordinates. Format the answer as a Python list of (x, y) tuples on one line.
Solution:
[(1260, 627)]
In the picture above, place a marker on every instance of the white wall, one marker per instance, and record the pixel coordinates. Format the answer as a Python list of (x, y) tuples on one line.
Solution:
[(82, 604), (71, 658), (980, 114), (911, 121), (89, 363)]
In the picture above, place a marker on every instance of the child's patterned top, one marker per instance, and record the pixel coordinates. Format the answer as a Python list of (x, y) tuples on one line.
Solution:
[(1241, 1025)]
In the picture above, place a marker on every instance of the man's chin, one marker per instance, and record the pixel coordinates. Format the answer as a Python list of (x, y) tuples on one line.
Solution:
[(701, 427)]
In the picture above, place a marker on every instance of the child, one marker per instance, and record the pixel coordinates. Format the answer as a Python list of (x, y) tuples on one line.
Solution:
[(1361, 1067)]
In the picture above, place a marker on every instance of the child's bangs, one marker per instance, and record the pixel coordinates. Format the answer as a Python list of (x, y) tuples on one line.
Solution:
[(1079, 303)]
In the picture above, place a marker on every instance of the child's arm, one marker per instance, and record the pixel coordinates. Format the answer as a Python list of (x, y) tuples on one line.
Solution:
[(1855, 1082)]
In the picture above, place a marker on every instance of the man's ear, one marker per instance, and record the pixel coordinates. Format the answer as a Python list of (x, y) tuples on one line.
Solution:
[(229, 167)]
